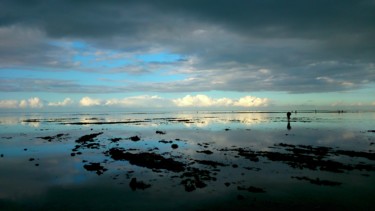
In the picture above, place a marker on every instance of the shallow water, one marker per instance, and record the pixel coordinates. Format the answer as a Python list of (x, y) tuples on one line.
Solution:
[(222, 160)]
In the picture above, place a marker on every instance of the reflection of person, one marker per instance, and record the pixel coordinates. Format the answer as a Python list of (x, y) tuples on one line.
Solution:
[(288, 115), (288, 126)]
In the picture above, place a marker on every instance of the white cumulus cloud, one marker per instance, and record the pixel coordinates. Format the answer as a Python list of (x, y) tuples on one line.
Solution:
[(250, 101), (35, 102), (23, 104), (8, 103), (205, 101), (87, 101), (198, 100), (67, 101), (139, 101)]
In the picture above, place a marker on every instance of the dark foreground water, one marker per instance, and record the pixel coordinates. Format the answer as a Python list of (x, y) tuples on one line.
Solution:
[(187, 161)]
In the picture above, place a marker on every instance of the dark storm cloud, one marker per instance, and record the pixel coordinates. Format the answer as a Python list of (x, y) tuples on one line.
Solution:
[(306, 46)]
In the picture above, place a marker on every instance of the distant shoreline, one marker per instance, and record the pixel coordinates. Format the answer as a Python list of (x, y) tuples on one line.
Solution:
[(181, 111)]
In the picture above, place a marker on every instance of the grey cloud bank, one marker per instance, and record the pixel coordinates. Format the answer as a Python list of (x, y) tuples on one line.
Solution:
[(304, 46)]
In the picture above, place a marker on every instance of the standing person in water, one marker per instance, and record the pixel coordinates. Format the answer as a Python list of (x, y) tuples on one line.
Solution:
[(288, 115)]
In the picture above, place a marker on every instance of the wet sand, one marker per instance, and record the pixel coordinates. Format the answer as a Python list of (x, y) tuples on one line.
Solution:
[(187, 161)]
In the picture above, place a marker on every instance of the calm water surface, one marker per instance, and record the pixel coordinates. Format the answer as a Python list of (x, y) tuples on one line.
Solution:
[(186, 161)]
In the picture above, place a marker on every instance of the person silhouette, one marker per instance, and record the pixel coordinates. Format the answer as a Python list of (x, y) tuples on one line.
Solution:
[(288, 116)]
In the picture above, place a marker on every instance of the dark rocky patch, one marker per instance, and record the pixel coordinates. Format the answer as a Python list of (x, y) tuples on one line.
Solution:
[(114, 140), (92, 146), (134, 184), (165, 142), (205, 145), (86, 142), (153, 149), (2, 155), (181, 120), (95, 167), (371, 131), (194, 178), (174, 146), (317, 181), (93, 118), (135, 138), (305, 161), (248, 154), (251, 189), (208, 152), (88, 138), (314, 158), (210, 163), (320, 152), (146, 159), (370, 156), (160, 132), (31, 120)]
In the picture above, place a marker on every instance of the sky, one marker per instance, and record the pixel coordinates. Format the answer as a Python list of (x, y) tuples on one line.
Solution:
[(187, 54)]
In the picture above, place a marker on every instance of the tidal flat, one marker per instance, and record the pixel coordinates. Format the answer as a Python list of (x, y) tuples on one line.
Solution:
[(187, 161)]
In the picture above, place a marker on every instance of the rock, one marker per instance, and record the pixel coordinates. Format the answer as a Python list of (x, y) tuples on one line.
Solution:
[(114, 140), (95, 167), (189, 185), (165, 142), (88, 138), (134, 184), (194, 179), (174, 146), (160, 132), (251, 189), (135, 138), (146, 159), (210, 163), (208, 152)]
